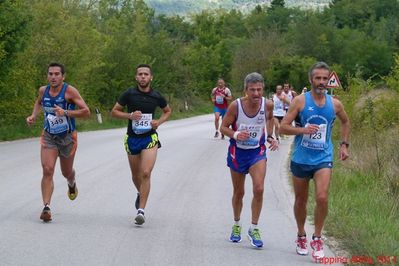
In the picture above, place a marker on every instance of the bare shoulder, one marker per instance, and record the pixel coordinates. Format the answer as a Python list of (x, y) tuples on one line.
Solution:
[(42, 89), (298, 101), (71, 92), (233, 105), (338, 106), (269, 103)]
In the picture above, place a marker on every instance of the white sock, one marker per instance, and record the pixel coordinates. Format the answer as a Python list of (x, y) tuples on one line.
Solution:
[(237, 222), (253, 226), (140, 210)]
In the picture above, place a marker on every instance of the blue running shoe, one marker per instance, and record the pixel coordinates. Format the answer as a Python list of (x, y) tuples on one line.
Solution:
[(235, 234), (254, 237)]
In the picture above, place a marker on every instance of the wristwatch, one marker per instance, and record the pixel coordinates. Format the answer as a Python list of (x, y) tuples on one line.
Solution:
[(344, 143), (66, 112)]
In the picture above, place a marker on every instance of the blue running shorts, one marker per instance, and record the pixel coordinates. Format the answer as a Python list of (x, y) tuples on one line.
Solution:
[(240, 160), (134, 145), (308, 171), (221, 111)]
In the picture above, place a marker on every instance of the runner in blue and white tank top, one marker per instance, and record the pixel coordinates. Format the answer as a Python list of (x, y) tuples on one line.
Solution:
[(245, 123), (59, 137), (53, 124), (317, 148), (312, 158)]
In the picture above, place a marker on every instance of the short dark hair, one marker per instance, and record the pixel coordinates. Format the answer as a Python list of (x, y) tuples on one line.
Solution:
[(56, 64), (144, 65), (318, 65)]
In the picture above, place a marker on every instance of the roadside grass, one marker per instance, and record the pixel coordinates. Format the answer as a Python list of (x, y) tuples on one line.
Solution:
[(18, 129), (364, 197)]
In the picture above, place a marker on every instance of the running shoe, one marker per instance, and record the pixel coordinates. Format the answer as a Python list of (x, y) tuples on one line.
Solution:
[(46, 214), (140, 218), (137, 202), (301, 246), (254, 237), (235, 234), (72, 191), (222, 136), (317, 245), (216, 134)]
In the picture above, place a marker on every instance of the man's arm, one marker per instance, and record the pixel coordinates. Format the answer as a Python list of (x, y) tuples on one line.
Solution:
[(166, 112), (36, 107), (117, 112), (294, 109), (228, 120), (270, 125), (73, 95), (345, 129), (213, 98), (228, 94)]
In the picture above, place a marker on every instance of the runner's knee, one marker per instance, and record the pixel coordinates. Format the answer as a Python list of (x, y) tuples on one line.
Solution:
[(238, 194), (48, 171), (300, 201), (146, 173), (258, 191), (322, 199)]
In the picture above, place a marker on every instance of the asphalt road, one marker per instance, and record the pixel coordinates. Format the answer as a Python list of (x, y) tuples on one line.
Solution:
[(189, 214)]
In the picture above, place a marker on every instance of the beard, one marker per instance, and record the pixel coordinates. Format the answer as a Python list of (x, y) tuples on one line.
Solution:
[(320, 89), (143, 84)]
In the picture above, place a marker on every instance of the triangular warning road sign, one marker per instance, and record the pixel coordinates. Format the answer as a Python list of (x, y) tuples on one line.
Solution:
[(333, 81)]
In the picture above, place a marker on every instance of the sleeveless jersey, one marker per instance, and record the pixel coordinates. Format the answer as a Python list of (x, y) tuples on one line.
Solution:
[(254, 125), (278, 106), (57, 125), (221, 102), (290, 97), (313, 149)]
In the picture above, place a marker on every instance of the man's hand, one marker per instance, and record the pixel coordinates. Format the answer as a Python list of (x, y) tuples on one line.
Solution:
[(30, 120), (343, 152), (273, 145), (154, 124), (58, 110), (243, 135), (311, 129), (135, 116)]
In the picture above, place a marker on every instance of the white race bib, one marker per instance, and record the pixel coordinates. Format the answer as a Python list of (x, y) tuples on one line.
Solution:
[(57, 124), (317, 140), (219, 99), (143, 125), (255, 133)]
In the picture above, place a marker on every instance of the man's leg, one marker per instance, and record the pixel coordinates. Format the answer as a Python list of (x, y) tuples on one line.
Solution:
[(301, 189), (69, 173), (48, 159), (147, 162), (276, 128), (134, 163), (238, 181), (222, 114), (217, 116), (258, 173), (322, 183), (141, 166)]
